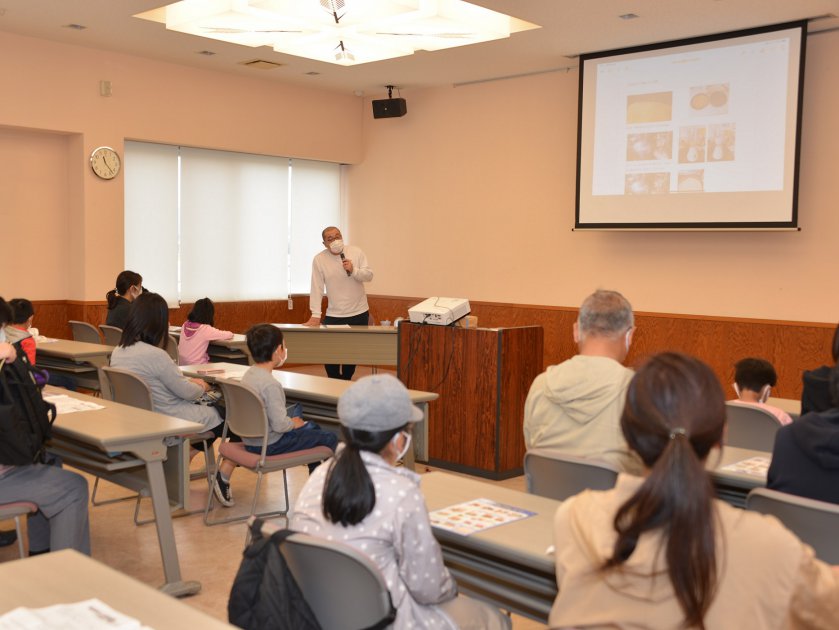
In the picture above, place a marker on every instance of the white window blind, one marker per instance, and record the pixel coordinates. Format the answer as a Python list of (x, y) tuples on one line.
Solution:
[(234, 226), (316, 204), (151, 216), (229, 226)]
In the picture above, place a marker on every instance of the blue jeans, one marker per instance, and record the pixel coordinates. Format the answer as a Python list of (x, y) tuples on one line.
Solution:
[(309, 435)]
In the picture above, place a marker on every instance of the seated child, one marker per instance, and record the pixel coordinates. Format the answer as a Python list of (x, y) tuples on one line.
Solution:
[(286, 434), (753, 382), (198, 332), (20, 330)]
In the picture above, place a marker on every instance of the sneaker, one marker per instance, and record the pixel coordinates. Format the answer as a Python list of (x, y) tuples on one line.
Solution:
[(223, 492)]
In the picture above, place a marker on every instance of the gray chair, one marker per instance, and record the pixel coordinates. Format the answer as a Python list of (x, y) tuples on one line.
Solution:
[(82, 331), (750, 427), (14, 511), (129, 389), (559, 476), (247, 418), (342, 586), (172, 347), (111, 334), (814, 522)]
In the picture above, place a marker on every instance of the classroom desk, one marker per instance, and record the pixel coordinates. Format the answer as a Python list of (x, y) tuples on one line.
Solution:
[(791, 406), (359, 345), (76, 358), (65, 577), (733, 487), (507, 565), (102, 443), (319, 397)]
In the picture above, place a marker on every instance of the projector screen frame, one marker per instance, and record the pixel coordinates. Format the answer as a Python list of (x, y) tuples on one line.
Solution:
[(791, 225)]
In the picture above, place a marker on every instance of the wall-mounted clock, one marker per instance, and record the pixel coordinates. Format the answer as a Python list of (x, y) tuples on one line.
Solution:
[(105, 162)]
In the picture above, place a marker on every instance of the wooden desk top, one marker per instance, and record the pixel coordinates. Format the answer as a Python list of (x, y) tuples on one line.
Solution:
[(525, 541), (64, 577), (315, 387), (74, 350), (791, 406), (117, 427)]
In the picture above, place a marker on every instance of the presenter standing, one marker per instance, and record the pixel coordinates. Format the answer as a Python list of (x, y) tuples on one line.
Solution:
[(342, 271)]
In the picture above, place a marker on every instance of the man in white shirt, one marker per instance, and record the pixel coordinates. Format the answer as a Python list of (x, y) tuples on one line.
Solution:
[(340, 270)]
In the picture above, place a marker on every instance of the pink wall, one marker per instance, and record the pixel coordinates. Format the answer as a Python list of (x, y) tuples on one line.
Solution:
[(55, 87), (472, 194)]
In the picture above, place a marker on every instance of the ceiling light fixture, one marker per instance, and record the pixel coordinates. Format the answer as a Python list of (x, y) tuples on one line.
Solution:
[(344, 32)]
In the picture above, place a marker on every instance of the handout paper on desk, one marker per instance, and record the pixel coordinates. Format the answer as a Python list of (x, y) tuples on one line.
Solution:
[(755, 466), (476, 515), (337, 326), (91, 614), (66, 404), (41, 339)]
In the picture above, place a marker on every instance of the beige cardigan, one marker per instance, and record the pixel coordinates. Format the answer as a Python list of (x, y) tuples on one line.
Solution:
[(768, 578)]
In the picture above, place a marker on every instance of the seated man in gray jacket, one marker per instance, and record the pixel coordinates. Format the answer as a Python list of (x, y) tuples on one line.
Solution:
[(575, 407)]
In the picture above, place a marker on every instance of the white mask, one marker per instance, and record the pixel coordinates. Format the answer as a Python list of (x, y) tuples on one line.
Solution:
[(336, 246), (283, 360), (2, 334), (407, 445)]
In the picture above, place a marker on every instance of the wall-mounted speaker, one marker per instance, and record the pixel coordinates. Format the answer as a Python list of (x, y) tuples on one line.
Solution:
[(390, 108)]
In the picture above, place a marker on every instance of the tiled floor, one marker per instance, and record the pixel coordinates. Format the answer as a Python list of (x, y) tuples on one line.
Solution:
[(208, 554)]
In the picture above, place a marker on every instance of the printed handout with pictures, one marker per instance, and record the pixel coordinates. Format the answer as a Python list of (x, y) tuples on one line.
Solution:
[(754, 466), (476, 516)]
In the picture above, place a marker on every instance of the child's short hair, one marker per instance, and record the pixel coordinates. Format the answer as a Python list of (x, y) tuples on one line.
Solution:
[(22, 310), (753, 374), (263, 340), (203, 312)]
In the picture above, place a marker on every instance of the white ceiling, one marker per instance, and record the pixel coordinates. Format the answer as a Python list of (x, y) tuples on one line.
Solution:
[(569, 27)]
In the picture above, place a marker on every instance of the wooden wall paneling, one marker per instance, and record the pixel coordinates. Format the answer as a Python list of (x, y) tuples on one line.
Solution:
[(51, 318)]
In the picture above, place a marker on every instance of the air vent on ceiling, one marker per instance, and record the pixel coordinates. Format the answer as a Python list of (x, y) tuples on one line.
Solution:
[(261, 64)]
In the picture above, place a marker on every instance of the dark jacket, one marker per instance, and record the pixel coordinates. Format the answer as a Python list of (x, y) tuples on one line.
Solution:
[(805, 460), (118, 316), (815, 396)]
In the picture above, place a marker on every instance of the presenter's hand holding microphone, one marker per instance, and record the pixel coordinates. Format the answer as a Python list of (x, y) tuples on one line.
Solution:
[(337, 247)]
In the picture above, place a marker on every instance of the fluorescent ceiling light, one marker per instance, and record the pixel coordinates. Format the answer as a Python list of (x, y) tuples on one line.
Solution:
[(345, 32)]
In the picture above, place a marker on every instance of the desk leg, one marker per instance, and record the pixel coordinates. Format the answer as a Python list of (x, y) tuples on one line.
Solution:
[(166, 535)]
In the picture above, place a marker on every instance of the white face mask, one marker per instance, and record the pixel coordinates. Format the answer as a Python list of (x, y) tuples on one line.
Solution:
[(407, 445), (283, 360), (2, 334), (336, 246)]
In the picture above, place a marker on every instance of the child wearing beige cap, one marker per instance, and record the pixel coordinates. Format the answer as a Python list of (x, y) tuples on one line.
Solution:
[(364, 500)]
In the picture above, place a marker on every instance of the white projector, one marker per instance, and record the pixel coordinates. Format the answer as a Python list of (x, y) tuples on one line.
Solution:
[(440, 311)]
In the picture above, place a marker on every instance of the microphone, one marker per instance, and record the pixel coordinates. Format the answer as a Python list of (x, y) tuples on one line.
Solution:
[(349, 273)]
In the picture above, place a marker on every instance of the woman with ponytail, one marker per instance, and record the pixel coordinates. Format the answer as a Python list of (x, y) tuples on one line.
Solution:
[(364, 500), (659, 551), (129, 287)]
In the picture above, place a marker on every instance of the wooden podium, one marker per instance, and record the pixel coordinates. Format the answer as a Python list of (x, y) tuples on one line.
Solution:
[(482, 376)]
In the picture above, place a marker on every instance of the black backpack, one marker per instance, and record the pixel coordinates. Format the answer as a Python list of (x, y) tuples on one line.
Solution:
[(25, 417), (264, 594)]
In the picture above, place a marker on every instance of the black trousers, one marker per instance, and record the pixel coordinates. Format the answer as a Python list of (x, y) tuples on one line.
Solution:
[(345, 372)]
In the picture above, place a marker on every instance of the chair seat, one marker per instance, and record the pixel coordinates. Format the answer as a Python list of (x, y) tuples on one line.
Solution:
[(235, 452), (16, 508)]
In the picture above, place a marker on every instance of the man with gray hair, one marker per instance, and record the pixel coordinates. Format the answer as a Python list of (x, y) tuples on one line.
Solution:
[(575, 407)]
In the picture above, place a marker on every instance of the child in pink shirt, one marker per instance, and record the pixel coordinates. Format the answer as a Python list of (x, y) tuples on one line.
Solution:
[(198, 332), (753, 382)]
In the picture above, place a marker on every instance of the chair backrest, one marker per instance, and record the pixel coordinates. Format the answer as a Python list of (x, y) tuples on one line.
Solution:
[(172, 347), (82, 331), (750, 427), (244, 410), (559, 476), (814, 522), (112, 334), (129, 389), (342, 586)]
